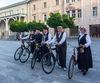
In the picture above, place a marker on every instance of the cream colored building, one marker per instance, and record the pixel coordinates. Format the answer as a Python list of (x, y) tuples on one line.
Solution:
[(86, 12), (40, 10), (10, 13)]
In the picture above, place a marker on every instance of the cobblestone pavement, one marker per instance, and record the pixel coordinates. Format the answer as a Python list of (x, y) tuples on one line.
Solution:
[(12, 71)]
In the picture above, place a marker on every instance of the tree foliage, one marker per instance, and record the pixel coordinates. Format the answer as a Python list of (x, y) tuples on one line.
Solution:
[(56, 19), (17, 26), (20, 26), (34, 25)]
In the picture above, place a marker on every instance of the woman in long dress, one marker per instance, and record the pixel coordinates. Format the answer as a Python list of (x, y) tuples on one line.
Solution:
[(85, 57)]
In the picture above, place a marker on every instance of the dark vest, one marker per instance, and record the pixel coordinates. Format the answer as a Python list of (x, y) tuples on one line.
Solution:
[(38, 38), (31, 35), (82, 40), (59, 39), (46, 37)]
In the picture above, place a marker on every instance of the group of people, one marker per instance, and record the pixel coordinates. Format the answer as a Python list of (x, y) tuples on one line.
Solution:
[(45, 38), (84, 59)]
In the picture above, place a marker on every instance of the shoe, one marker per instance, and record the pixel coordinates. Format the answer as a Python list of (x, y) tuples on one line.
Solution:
[(64, 69), (84, 73), (60, 67)]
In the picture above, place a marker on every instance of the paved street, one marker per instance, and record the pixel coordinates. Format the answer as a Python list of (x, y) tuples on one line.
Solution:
[(12, 71)]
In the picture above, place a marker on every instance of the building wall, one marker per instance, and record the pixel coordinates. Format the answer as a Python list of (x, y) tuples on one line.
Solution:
[(87, 18), (10, 13), (86, 7), (40, 10)]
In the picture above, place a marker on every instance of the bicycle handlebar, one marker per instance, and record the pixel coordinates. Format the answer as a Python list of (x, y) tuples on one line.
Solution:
[(74, 46), (50, 45)]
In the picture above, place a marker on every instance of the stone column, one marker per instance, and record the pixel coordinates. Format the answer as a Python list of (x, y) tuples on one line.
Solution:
[(7, 28), (19, 18), (82, 8), (91, 11), (98, 9), (70, 13), (76, 13)]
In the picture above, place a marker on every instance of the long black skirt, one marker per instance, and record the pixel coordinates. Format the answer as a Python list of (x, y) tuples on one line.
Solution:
[(85, 59)]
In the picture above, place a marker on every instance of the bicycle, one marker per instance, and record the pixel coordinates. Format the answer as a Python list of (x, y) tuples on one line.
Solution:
[(48, 60), (19, 51), (25, 53), (35, 54), (73, 61)]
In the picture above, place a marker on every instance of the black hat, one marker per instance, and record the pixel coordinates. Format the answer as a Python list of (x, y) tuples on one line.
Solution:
[(45, 28), (31, 29), (38, 29)]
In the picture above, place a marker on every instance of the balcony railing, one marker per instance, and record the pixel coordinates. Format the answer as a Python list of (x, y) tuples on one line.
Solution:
[(19, 14)]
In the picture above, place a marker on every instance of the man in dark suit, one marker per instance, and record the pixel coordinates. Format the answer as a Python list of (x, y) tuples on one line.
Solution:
[(38, 39)]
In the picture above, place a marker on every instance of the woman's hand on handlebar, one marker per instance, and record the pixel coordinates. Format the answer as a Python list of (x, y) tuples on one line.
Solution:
[(83, 46), (58, 44)]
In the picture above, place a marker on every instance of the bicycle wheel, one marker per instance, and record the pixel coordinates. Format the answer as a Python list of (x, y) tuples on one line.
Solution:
[(18, 53), (25, 55), (71, 67), (48, 63), (57, 58), (33, 60)]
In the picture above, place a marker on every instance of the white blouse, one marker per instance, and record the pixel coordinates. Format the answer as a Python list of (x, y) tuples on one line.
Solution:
[(55, 38)]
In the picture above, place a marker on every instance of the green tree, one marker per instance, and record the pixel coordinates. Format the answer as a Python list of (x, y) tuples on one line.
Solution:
[(23, 26), (34, 25), (17, 26), (68, 22), (14, 26), (56, 19)]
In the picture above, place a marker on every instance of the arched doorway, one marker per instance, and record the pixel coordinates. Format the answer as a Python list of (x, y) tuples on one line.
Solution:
[(2, 29)]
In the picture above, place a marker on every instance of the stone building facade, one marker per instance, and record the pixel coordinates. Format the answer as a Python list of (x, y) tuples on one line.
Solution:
[(85, 12)]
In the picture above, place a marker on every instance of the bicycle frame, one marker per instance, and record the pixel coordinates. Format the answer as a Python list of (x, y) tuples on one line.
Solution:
[(74, 54), (51, 51)]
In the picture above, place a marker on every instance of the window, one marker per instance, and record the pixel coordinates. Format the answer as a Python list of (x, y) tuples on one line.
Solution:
[(45, 17), (44, 4), (73, 0), (94, 11), (68, 13), (78, 0), (57, 2), (22, 11), (9, 13), (17, 11), (34, 18), (34, 7), (5, 14), (73, 13), (56, 11), (67, 1), (79, 13), (12, 12)]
